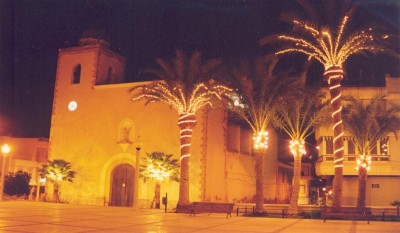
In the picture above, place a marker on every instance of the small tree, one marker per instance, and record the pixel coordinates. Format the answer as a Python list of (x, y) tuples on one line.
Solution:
[(367, 123), (17, 183), (259, 93), (299, 118), (56, 171), (159, 167)]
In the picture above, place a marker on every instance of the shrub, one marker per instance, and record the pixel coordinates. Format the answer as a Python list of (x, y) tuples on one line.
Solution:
[(395, 203), (17, 184)]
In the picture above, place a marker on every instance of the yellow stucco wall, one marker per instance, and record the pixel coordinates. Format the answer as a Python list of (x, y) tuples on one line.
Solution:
[(90, 138), (384, 173)]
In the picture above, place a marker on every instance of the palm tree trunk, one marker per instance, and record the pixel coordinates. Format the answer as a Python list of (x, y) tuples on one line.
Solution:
[(186, 123), (56, 192), (362, 187), (294, 199), (157, 196), (259, 183), (334, 76)]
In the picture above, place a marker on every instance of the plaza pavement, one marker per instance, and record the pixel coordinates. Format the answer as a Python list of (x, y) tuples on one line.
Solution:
[(26, 216)]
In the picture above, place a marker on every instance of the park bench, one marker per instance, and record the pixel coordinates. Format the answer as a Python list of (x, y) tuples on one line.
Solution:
[(347, 213), (211, 207)]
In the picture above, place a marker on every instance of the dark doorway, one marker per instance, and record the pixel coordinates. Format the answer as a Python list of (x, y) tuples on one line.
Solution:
[(122, 185)]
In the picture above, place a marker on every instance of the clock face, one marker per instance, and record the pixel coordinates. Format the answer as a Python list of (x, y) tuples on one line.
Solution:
[(72, 105)]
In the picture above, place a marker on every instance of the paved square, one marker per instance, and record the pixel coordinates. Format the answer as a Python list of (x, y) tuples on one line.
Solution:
[(25, 216)]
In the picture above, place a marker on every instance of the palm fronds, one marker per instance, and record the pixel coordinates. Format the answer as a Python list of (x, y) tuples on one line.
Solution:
[(159, 166), (369, 122)]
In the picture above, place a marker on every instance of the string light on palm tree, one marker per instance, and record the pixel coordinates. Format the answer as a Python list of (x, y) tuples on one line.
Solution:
[(186, 85), (331, 49), (297, 147), (364, 161), (261, 140)]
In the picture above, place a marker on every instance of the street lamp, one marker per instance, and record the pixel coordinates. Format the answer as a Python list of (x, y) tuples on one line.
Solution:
[(5, 149), (138, 146)]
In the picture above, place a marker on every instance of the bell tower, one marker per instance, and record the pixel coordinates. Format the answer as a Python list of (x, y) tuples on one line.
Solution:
[(82, 71)]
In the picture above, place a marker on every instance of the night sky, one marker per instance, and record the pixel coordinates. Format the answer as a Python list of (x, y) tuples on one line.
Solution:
[(32, 31)]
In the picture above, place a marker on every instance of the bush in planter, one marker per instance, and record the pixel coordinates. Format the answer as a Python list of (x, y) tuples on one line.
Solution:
[(17, 183)]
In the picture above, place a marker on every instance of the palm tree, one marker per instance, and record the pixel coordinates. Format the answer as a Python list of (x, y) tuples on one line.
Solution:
[(57, 170), (331, 47), (299, 118), (259, 94), (159, 167), (367, 123), (186, 85)]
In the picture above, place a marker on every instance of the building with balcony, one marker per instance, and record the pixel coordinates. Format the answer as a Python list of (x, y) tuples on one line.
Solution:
[(385, 167)]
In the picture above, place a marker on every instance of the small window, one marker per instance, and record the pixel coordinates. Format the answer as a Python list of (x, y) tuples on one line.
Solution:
[(245, 140), (351, 150), (77, 74), (374, 150), (305, 171), (110, 78), (233, 140), (329, 145), (384, 147)]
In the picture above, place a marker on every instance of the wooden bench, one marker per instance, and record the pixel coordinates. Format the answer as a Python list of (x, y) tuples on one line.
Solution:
[(347, 213), (211, 207)]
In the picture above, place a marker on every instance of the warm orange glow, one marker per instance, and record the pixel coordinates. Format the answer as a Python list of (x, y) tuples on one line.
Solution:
[(327, 49), (177, 98), (54, 175), (297, 146), (159, 173), (364, 161), (260, 140), (5, 149), (186, 133)]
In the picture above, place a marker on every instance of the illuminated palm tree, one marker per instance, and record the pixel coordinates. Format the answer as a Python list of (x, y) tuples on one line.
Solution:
[(331, 47), (186, 85), (259, 94), (56, 171), (159, 167), (299, 118), (368, 123)]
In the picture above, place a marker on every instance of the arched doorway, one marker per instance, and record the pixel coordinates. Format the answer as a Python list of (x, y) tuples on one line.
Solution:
[(122, 185)]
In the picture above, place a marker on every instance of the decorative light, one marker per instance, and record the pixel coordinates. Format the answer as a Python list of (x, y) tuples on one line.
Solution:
[(364, 161), (5, 149), (186, 122), (297, 146), (332, 52), (178, 98), (325, 48), (260, 140), (384, 149), (185, 102), (159, 173), (236, 100)]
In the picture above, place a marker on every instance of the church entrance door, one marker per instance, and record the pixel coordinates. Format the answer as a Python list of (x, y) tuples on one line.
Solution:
[(122, 185)]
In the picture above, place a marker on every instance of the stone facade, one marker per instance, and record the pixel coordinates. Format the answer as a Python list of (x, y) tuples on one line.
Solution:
[(100, 129)]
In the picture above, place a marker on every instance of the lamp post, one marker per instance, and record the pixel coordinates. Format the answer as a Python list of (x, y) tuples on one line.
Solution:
[(5, 149), (37, 183), (138, 146)]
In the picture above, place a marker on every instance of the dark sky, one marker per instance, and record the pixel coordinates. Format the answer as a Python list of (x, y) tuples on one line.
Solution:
[(32, 31)]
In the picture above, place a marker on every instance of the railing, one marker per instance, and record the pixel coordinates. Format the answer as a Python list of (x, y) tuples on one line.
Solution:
[(354, 158), (377, 214)]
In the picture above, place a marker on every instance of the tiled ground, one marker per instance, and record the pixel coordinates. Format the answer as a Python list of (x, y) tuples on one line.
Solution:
[(24, 216)]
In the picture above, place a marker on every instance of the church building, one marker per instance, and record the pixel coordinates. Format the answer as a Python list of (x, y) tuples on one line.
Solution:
[(97, 128)]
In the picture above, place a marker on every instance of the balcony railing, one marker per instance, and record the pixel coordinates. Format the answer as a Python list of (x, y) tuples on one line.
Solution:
[(354, 158)]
